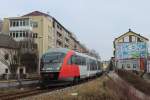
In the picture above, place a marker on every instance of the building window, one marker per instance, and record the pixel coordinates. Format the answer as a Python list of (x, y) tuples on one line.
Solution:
[(23, 23), (128, 65), (57, 26), (133, 39), (16, 34), (122, 66), (49, 29), (59, 34), (24, 33), (35, 46), (26, 22), (27, 34), (13, 34), (10, 34), (66, 46), (20, 33), (59, 43), (53, 24), (11, 23), (130, 38), (17, 23), (35, 35), (6, 56), (60, 28), (126, 39), (6, 70), (67, 40), (14, 23), (139, 40), (35, 24), (134, 65)]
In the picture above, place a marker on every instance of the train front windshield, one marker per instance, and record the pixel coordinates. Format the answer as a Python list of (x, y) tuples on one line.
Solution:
[(52, 61)]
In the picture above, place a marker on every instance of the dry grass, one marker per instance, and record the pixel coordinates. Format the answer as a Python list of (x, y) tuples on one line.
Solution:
[(100, 89), (135, 80)]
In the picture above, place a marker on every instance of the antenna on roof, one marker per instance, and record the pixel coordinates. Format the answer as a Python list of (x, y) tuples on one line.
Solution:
[(130, 30)]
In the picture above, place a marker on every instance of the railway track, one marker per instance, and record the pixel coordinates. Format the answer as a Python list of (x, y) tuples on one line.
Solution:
[(36, 91), (18, 95)]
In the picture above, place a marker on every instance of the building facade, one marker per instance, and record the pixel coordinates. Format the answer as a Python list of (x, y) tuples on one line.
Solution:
[(46, 31), (43, 30), (1, 25), (131, 51), (8, 56)]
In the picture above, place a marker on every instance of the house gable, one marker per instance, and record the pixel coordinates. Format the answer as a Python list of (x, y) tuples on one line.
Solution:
[(130, 37)]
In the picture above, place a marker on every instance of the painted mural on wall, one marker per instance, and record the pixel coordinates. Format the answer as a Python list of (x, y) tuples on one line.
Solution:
[(131, 50)]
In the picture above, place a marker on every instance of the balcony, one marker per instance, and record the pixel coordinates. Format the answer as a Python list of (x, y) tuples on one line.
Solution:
[(17, 28), (20, 24)]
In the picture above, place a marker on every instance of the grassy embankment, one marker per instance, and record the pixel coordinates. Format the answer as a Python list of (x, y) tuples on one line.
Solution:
[(102, 88), (135, 80)]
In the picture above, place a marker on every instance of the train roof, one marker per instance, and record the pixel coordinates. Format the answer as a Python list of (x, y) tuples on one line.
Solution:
[(62, 50), (65, 50), (85, 55)]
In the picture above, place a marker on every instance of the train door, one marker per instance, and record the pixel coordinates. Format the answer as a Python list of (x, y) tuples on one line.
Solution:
[(82, 66), (88, 67)]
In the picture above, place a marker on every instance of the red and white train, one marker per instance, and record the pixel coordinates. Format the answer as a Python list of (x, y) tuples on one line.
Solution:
[(64, 65)]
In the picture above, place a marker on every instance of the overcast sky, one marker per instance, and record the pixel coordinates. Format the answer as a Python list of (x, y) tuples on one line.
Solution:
[(95, 22)]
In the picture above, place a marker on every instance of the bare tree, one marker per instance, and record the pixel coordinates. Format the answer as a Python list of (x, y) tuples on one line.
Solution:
[(9, 58), (28, 54), (94, 54)]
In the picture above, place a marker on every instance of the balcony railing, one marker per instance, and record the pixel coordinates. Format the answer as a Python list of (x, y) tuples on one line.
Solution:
[(17, 28)]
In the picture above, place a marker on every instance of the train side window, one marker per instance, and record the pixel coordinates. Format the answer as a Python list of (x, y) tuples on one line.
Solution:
[(88, 64), (83, 61), (93, 65), (78, 60), (99, 65), (72, 60), (69, 61)]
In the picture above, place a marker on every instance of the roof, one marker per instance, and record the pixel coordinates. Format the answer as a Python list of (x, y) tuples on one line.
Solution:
[(36, 13), (7, 42), (133, 33)]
